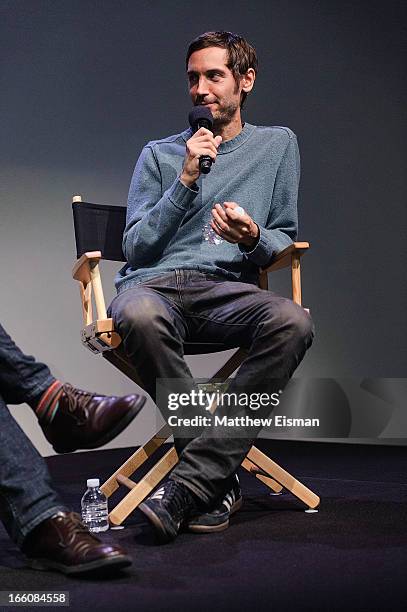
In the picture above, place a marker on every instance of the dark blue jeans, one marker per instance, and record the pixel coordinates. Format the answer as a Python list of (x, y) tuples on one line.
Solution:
[(26, 494), (156, 317)]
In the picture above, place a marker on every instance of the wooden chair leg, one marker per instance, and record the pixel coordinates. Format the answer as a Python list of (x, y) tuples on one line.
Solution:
[(136, 460), (230, 366), (261, 475), (140, 490), (285, 479)]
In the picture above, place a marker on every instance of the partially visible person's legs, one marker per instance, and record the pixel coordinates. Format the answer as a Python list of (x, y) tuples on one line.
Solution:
[(22, 378), (70, 418), (27, 497), (36, 518)]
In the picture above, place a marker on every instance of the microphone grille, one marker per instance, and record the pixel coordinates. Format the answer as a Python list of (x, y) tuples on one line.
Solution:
[(199, 114)]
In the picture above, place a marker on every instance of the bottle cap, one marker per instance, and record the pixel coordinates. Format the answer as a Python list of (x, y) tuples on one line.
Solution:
[(93, 482)]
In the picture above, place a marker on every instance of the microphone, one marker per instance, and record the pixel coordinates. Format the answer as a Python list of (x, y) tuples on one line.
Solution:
[(201, 116)]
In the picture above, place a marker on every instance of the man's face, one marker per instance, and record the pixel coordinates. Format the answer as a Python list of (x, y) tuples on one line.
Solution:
[(212, 83)]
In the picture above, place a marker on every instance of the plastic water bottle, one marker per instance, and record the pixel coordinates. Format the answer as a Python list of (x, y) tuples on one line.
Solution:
[(94, 507)]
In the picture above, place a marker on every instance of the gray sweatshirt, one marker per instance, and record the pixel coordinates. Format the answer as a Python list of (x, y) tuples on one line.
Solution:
[(259, 169)]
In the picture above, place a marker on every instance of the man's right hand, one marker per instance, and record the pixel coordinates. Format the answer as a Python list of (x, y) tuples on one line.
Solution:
[(203, 142)]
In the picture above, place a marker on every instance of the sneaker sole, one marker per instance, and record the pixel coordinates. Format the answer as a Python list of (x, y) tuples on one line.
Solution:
[(162, 534), (103, 565), (112, 433), (216, 528)]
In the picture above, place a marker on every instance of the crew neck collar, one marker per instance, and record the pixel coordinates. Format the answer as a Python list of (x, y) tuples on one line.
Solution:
[(229, 145)]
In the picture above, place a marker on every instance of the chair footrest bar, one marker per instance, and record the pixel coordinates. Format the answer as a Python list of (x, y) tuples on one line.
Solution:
[(263, 477), (257, 472), (136, 460), (126, 482)]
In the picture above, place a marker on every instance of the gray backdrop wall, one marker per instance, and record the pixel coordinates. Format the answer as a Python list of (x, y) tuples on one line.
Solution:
[(86, 83)]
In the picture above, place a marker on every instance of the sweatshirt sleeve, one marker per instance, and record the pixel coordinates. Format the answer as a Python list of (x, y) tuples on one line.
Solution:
[(153, 217), (282, 223)]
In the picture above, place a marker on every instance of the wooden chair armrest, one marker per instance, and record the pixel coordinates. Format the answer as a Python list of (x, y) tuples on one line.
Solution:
[(86, 272), (82, 267), (283, 258), (288, 257)]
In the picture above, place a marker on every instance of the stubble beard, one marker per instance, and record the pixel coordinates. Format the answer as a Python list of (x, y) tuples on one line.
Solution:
[(224, 115)]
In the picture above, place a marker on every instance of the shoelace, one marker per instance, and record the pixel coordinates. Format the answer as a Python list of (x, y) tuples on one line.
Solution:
[(77, 398), (74, 526), (176, 496)]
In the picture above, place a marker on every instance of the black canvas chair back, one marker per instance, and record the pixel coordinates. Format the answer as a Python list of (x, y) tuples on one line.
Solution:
[(99, 228)]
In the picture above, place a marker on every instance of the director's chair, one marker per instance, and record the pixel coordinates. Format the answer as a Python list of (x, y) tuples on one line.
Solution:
[(98, 234)]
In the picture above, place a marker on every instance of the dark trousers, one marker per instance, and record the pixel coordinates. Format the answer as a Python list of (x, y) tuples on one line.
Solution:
[(26, 494), (155, 318)]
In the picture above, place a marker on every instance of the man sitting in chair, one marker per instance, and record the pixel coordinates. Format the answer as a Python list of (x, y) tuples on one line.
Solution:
[(194, 245)]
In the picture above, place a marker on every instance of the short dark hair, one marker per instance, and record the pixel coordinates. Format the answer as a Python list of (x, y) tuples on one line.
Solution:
[(241, 55)]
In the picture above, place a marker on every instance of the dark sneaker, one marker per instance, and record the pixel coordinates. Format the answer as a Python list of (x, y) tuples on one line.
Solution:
[(218, 518), (88, 420), (64, 544), (168, 508)]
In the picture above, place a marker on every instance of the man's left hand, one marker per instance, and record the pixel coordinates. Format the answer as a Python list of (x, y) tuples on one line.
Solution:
[(234, 227)]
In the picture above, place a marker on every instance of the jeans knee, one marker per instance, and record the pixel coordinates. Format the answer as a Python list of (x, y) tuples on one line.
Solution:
[(293, 323), (299, 323), (141, 315)]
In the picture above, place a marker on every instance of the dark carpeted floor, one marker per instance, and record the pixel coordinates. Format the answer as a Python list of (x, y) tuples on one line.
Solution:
[(351, 555)]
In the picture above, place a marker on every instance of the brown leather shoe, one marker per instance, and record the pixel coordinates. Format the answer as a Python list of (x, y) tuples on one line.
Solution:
[(87, 420), (64, 544)]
